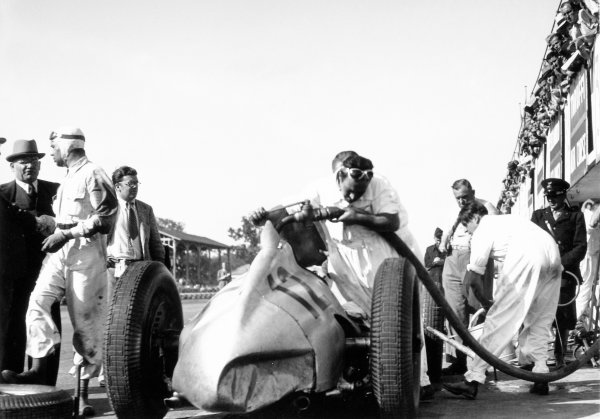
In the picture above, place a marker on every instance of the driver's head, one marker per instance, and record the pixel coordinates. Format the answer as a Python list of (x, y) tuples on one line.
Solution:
[(339, 158), (353, 177)]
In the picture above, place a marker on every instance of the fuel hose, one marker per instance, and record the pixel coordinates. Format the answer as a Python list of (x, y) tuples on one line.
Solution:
[(464, 333)]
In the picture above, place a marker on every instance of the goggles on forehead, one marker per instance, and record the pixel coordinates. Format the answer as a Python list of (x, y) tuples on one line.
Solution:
[(356, 174), (55, 135)]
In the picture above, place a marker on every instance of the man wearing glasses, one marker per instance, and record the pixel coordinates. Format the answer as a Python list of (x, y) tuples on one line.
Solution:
[(135, 233), (34, 195), (371, 205), (85, 208)]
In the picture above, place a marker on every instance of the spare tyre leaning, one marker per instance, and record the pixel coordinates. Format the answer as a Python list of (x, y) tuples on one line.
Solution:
[(34, 401), (140, 346)]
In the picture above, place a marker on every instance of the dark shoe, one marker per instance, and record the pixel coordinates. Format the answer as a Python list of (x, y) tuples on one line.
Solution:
[(27, 377), (539, 388), (427, 393), (454, 369), (467, 389), (85, 409), (528, 367)]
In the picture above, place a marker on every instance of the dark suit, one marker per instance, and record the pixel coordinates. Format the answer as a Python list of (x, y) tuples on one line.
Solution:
[(27, 273), (434, 346), (14, 225), (152, 248), (569, 232)]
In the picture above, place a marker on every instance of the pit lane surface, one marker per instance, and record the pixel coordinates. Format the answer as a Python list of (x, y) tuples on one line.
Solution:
[(576, 396)]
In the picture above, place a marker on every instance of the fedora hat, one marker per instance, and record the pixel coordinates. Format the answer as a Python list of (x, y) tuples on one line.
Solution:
[(24, 148)]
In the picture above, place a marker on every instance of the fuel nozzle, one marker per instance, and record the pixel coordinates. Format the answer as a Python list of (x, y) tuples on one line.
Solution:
[(308, 213)]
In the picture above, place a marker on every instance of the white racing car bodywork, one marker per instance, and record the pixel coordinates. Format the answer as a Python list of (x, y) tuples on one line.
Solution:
[(274, 331)]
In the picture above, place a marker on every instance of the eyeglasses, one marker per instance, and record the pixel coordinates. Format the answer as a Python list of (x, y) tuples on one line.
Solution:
[(358, 174), (30, 160), (131, 184)]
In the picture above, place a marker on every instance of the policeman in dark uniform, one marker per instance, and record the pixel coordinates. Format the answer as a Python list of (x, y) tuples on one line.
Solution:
[(567, 225)]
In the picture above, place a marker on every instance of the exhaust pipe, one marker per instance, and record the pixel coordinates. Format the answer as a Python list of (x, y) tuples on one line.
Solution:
[(301, 403)]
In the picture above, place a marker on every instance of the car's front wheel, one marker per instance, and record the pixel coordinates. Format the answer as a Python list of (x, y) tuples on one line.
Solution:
[(395, 353)]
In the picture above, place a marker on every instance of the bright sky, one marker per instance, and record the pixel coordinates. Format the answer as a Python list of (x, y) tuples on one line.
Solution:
[(225, 106)]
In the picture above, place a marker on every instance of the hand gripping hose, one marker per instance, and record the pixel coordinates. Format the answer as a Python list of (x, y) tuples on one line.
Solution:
[(468, 339)]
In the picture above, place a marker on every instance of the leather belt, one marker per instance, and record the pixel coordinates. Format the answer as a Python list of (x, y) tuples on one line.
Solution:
[(111, 262), (66, 226)]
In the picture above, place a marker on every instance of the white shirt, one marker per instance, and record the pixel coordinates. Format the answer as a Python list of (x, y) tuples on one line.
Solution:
[(495, 234), (121, 245), (26, 186), (379, 197)]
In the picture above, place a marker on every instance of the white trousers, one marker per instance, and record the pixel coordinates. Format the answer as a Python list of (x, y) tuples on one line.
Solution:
[(353, 266), (589, 273), (526, 294), (77, 271)]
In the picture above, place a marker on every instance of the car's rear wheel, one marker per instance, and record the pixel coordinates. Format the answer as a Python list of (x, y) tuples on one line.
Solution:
[(140, 346), (395, 339)]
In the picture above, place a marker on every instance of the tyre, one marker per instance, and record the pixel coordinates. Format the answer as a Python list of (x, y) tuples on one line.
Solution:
[(34, 401), (433, 316), (140, 345), (395, 352)]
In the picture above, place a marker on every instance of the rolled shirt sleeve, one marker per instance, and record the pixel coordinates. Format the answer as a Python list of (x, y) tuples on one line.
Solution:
[(385, 200), (103, 201), (482, 242)]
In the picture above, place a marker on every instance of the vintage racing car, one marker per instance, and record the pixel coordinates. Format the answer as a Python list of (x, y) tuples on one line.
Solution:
[(277, 332)]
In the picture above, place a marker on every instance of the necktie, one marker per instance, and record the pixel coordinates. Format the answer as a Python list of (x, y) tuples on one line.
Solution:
[(32, 197), (132, 223)]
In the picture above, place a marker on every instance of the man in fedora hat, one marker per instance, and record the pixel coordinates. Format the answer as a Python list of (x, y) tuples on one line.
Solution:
[(34, 195), (567, 225), (85, 208)]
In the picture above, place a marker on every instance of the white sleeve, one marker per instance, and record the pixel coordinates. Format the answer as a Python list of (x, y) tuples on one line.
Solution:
[(386, 201), (482, 243)]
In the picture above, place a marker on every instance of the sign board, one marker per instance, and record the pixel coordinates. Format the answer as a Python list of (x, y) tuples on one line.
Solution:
[(554, 155), (578, 133), (539, 175), (595, 94)]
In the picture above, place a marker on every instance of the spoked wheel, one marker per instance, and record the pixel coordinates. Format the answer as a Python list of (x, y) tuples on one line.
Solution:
[(140, 346), (395, 353)]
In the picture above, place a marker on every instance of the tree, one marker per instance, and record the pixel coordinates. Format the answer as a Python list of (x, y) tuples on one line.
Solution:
[(170, 224), (249, 236)]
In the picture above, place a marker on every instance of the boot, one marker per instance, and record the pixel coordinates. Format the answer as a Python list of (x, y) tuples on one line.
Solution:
[(85, 409), (36, 375), (458, 367), (465, 388)]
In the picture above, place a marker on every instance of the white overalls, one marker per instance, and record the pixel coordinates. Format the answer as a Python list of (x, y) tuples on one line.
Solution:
[(85, 203), (355, 251), (525, 293)]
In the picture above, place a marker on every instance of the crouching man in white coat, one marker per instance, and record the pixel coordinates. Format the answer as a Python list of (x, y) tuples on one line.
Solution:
[(526, 292)]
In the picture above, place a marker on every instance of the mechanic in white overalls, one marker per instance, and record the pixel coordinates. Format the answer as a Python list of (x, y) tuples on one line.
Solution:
[(75, 267), (525, 293), (355, 248)]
